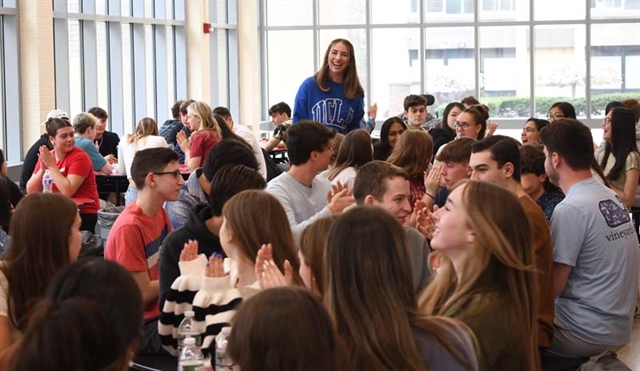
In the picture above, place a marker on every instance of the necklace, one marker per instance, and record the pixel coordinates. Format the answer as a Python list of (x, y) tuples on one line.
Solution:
[(98, 142)]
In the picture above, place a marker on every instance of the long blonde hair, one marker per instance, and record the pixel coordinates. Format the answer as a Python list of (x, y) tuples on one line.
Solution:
[(500, 260), (413, 152), (146, 126), (203, 111)]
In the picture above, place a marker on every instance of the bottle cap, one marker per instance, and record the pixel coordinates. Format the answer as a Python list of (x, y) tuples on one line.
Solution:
[(189, 313), (189, 341)]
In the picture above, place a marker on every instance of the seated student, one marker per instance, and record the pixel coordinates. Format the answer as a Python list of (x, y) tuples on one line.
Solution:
[(595, 250), (242, 233), (195, 191), (445, 132), (145, 136), (269, 336), (535, 181), (531, 130), (496, 159), (136, 236), (246, 134), (334, 145), (313, 242), (382, 327), (354, 152), (184, 128), (84, 130), (71, 171), (31, 158), (303, 194), (33, 258), (454, 160), (204, 221), (10, 195), (169, 129), (561, 110), (106, 141), (205, 135), (415, 110), (89, 319), (490, 281), (413, 153), (381, 184), (390, 132), (280, 117)]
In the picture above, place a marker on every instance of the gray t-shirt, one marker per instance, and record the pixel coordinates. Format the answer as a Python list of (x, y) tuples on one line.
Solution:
[(592, 232), (302, 204)]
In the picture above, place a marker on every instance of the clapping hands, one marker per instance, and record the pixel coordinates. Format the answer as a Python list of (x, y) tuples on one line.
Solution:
[(268, 273)]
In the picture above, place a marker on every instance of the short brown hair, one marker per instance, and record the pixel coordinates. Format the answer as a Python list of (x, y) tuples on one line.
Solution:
[(458, 150), (634, 106), (372, 177), (470, 100), (184, 105), (532, 159), (414, 100)]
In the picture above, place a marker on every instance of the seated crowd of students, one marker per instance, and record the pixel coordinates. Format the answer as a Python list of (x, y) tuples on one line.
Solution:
[(444, 247)]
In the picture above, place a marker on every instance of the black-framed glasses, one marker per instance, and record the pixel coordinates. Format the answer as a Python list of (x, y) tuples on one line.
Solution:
[(555, 117), (606, 120), (176, 173), (461, 125)]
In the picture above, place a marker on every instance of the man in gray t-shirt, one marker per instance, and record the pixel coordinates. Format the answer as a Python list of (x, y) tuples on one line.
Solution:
[(595, 249)]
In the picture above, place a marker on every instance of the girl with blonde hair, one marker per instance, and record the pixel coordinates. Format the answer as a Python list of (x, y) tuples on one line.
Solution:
[(146, 136), (486, 276), (205, 135)]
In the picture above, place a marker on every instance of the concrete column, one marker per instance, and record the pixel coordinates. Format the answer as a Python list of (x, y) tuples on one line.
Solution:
[(249, 69), (198, 60)]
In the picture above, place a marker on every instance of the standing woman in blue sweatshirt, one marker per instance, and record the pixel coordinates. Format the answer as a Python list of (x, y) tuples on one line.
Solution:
[(334, 95)]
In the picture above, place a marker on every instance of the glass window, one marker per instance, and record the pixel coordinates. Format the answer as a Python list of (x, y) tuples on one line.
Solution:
[(391, 85), (358, 38), (289, 13), (399, 11), (149, 9), (103, 64), (559, 10), (607, 9), (171, 66), (343, 12), (125, 8), (504, 10), (449, 11), (504, 70), (73, 6), (285, 70), (150, 70), (222, 82), (101, 7), (75, 68), (2, 101), (615, 63), (450, 64), (127, 82), (560, 67)]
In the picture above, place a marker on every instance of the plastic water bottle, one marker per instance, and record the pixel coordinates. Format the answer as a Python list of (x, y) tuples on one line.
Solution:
[(188, 328), (223, 363), (191, 358), (47, 182)]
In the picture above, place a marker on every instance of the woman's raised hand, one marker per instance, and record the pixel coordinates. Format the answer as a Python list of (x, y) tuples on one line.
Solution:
[(215, 266), (189, 251), (267, 272)]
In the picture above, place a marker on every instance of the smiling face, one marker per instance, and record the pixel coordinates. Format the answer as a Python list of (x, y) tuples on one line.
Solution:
[(395, 131), (64, 140), (606, 127), (452, 234), (555, 114), (453, 117), (338, 60), (530, 133), (396, 198), (101, 127)]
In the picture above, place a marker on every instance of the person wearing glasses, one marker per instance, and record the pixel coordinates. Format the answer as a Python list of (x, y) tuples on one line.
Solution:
[(620, 160), (561, 110), (136, 236), (472, 122), (145, 136)]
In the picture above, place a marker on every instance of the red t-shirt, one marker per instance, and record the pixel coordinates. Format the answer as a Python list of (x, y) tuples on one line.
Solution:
[(134, 242), (77, 162), (202, 141)]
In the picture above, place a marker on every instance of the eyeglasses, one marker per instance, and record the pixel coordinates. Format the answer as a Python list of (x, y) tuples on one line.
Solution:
[(606, 120), (176, 173), (555, 117), (461, 125)]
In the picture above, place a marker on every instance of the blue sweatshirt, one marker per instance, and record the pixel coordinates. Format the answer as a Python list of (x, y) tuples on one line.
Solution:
[(330, 108)]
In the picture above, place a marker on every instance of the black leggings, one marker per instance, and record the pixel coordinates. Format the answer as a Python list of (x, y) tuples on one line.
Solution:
[(88, 222)]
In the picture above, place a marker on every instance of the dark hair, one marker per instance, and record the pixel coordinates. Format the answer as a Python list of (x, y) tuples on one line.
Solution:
[(175, 109), (540, 123), (372, 178), (185, 105), (567, 109), (222, 111), (532, 162), (228, 152), (257, 343), (305, 137), (5, 198), (230, 180), (90, 319), (280, 108), (355, 151), (226, 131), (572, 140), (470, 100), (444, 125), (82, 122), (458, 150), (382, 147), (634, 106), (611, 105), (313, 243), (503, 149), (34, 258), (52, 126), (480, 114), (150, 160), (98, 112), (351, 86), (414, 100), (622, 143)]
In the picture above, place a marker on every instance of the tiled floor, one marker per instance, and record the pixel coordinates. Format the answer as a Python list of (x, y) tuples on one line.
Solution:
[(630, 354)]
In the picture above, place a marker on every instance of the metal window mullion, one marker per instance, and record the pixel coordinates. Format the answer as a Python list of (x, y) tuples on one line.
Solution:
[(476, 41), (264, 67), (139, 75), (316, 33), (12, 95), (116, 77), (587, 56), (422, 53), (61, 63), (213, 57), (233, 82), (180, 65), (88, 43), (161, 72), (532, 52), (368, 38)]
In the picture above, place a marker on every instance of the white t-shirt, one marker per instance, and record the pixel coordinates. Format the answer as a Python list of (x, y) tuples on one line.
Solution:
[(246, 134), (346, 176), (127, 150)]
